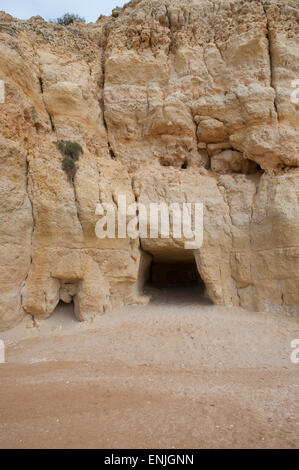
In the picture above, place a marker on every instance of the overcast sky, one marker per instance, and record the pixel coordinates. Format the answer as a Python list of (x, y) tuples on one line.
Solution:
[(48, 9)]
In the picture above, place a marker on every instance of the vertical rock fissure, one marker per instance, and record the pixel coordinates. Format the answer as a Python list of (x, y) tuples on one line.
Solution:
[(222, 191), (41, 84), (32, 230), (172, 39), (136, 200), (196, 129), (102, 102), (257, 188), (271, 65), (197, 141), (77, 205), (31, 204)]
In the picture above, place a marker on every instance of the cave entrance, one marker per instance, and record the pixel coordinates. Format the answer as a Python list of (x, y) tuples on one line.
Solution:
[(65, 311), (178, 274), (176, 281)]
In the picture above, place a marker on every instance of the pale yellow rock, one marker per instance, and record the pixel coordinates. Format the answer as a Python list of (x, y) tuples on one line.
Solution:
[(211, 130), (15, 231), (171, 102), (230, 161)]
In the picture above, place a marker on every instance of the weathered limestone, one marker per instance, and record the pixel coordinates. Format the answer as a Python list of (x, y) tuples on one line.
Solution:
[(230, 161), (15, 231), (171, 102)]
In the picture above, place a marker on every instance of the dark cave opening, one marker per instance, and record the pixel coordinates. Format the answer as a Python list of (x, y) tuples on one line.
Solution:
[(176, 282), (174, 274), (259, 169)]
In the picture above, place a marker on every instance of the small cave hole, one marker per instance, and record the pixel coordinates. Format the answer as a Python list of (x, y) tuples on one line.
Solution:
[(184, 166), (259, 168)]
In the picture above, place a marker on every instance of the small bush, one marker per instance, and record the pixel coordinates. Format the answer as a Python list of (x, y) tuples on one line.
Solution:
[(69, 149), (69, 18), (71, 152), (69, 166)]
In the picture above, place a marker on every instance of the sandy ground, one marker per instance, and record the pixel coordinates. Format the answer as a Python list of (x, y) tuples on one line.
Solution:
[(178, 373)]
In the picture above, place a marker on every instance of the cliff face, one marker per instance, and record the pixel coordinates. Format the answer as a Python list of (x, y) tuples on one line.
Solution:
[(171, 102)]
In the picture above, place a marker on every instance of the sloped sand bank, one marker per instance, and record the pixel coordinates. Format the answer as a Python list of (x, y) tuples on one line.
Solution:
[(179, 373)]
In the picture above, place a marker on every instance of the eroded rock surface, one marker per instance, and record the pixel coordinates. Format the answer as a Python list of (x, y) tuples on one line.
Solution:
[(170, 102)]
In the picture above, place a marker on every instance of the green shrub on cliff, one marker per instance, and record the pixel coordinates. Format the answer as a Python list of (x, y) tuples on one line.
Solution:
[(69, 18), (69, 166), (69, 149), (71, 152)]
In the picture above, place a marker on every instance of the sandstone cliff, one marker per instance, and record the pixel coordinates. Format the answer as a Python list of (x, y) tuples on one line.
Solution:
[(171, 101)]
